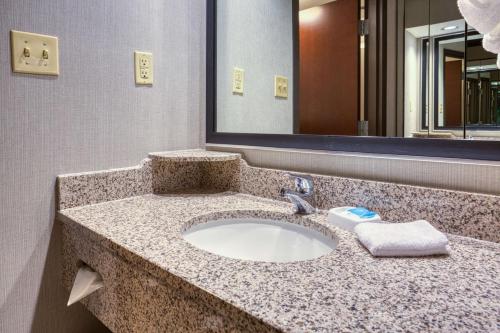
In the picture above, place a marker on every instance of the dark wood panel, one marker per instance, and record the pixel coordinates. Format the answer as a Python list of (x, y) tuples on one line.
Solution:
[(453, 93), (329, 70)]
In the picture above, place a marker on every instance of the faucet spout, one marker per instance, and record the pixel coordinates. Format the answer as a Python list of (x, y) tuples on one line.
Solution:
[(303, 188), (301, 206)]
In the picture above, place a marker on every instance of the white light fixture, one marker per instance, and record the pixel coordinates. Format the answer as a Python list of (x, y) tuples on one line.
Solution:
[(450, 27), (310, 15)]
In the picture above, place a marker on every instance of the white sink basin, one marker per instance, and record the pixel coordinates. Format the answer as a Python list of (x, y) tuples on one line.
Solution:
[(259, 240)]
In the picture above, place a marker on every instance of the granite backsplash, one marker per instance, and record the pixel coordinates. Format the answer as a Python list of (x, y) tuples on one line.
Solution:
[(462, 213)]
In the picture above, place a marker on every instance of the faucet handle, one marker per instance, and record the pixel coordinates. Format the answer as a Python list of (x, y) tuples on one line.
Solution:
[(303, 184)]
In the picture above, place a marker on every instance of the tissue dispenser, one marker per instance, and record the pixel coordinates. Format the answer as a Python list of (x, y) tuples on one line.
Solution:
[(86, 282)]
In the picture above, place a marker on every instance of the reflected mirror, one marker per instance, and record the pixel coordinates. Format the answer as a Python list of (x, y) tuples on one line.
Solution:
[(482, 108), (404, 68)]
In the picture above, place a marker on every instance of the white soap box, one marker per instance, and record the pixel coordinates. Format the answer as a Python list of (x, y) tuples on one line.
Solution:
[(343, 218)]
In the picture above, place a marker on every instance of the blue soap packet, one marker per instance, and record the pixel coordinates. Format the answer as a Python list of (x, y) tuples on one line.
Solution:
[(362, 212)]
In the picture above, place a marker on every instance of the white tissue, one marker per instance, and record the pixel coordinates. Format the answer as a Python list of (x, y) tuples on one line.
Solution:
[(86, 282)]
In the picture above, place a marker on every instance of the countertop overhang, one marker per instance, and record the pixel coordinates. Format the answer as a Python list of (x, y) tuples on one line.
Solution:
[(345, 291)]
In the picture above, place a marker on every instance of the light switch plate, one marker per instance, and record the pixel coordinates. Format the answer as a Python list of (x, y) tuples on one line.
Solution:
[(34, 53), (280, 86), (238, 80), (143, 68)]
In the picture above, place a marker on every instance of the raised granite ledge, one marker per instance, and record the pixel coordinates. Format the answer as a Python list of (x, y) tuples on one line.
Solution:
[(194, 155), (160, 173), (172, 176)]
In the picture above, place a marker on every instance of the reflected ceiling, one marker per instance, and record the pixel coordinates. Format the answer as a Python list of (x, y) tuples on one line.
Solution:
[(305, 4)]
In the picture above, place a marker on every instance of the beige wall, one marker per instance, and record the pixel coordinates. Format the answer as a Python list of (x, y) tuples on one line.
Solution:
[(455, 174), (91, 117)]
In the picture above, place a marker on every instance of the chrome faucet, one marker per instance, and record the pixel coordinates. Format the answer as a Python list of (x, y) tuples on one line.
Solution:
[(303, 189)]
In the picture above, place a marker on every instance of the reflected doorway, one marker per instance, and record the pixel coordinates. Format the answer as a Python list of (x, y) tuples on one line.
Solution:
[(329, 67)]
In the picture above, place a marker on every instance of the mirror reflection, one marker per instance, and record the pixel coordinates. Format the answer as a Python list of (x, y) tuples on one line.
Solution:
[(409, 68), (482, 109)]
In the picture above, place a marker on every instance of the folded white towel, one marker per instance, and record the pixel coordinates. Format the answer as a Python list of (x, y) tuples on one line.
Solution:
[(491, 41), (410, 239), (483, 15)]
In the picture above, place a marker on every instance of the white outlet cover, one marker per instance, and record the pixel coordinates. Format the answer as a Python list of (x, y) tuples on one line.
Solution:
[(143, 68), (27, 51)]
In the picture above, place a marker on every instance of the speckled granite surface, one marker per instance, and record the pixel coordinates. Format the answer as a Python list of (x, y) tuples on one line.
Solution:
[(126, 223), (134, 300), (79, 189), (170, 176), (461, 213), (344, 291), (194, 155)]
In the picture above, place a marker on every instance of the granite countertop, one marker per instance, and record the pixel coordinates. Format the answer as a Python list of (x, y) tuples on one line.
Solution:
[(347, 290)]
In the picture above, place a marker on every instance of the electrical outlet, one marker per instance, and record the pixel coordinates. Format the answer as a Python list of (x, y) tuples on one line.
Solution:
[(34, 54), (143, 67), (238, 80), (280, 86)]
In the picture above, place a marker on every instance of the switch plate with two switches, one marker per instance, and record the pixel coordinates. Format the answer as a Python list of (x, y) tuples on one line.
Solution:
[(143, 68), (34, 53), (280, 86)]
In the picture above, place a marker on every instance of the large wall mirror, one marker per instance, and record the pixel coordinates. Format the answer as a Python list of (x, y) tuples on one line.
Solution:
[(401, 77)]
